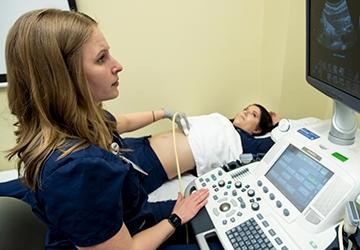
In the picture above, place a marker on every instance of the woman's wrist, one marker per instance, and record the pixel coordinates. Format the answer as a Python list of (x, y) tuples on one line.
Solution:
[(175, 220), (157, 115), (162, 113)]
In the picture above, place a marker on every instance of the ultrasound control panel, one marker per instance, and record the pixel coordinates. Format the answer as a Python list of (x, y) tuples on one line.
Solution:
[(292, 199), (236, 208)]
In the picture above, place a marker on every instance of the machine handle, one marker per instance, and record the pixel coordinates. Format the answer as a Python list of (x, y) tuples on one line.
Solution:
[(201, 239)]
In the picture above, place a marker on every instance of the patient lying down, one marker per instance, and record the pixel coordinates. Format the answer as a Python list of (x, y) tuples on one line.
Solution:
[(214, 140)]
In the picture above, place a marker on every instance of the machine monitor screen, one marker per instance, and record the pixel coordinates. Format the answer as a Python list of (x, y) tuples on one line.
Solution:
[(333, 49), (298, 176)]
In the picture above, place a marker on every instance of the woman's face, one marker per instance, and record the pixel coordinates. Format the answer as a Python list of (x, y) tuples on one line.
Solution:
[(248, 119), (101, 69)]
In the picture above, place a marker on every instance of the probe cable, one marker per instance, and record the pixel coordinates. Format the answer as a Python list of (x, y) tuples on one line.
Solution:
[(340, 236), (181, 190)]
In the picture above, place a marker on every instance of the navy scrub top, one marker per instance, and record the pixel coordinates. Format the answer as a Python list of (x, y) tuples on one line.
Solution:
[(85, 197), (254, 145)]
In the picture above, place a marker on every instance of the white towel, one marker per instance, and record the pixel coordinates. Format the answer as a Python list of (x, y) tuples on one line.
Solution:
[(213, 141), (8, 175)]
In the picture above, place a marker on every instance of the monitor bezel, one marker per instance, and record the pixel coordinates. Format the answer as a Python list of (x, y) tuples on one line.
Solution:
[(347, 99), (72, 7)]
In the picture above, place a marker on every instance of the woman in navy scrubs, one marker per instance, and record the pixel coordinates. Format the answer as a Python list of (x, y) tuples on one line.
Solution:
[(81, 178)]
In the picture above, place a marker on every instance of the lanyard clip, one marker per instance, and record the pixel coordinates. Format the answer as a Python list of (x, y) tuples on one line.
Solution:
[(115, 149)]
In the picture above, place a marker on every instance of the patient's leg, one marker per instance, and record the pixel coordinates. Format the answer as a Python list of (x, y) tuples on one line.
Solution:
[(162, 144)]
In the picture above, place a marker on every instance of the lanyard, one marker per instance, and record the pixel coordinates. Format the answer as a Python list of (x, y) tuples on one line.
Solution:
[(115, 149)]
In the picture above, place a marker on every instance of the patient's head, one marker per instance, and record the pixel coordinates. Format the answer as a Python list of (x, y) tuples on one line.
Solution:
[(254, 119)]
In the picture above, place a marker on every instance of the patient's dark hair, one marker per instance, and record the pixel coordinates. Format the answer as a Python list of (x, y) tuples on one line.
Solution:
[(265, 123)]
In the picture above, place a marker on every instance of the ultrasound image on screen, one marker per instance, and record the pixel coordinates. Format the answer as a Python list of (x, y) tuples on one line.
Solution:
[(298, 177), (335, 43)]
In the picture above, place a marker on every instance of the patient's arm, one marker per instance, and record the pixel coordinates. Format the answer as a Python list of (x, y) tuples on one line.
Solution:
[(162, 144)]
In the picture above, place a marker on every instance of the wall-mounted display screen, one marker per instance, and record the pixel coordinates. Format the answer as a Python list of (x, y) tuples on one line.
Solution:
[(11, 10)]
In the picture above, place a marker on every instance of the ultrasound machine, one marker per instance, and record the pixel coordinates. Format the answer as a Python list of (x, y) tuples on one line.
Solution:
[(299, 192)]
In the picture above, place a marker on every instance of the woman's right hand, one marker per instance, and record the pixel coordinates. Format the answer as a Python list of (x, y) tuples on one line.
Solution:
[(274, 117), (187, 208), (180, 119)]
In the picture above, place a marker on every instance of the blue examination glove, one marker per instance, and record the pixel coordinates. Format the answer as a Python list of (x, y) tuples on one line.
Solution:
[(180, 119)]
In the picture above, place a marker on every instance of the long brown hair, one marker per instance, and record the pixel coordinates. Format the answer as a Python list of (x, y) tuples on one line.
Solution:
[(265, 123), (48, 91)]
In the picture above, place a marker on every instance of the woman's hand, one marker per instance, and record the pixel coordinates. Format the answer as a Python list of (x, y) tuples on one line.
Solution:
[(274, 117), (180, 119), (187, 208)]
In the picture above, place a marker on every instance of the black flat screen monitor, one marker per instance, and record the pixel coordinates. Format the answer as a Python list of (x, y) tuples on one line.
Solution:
[(333, 49)]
